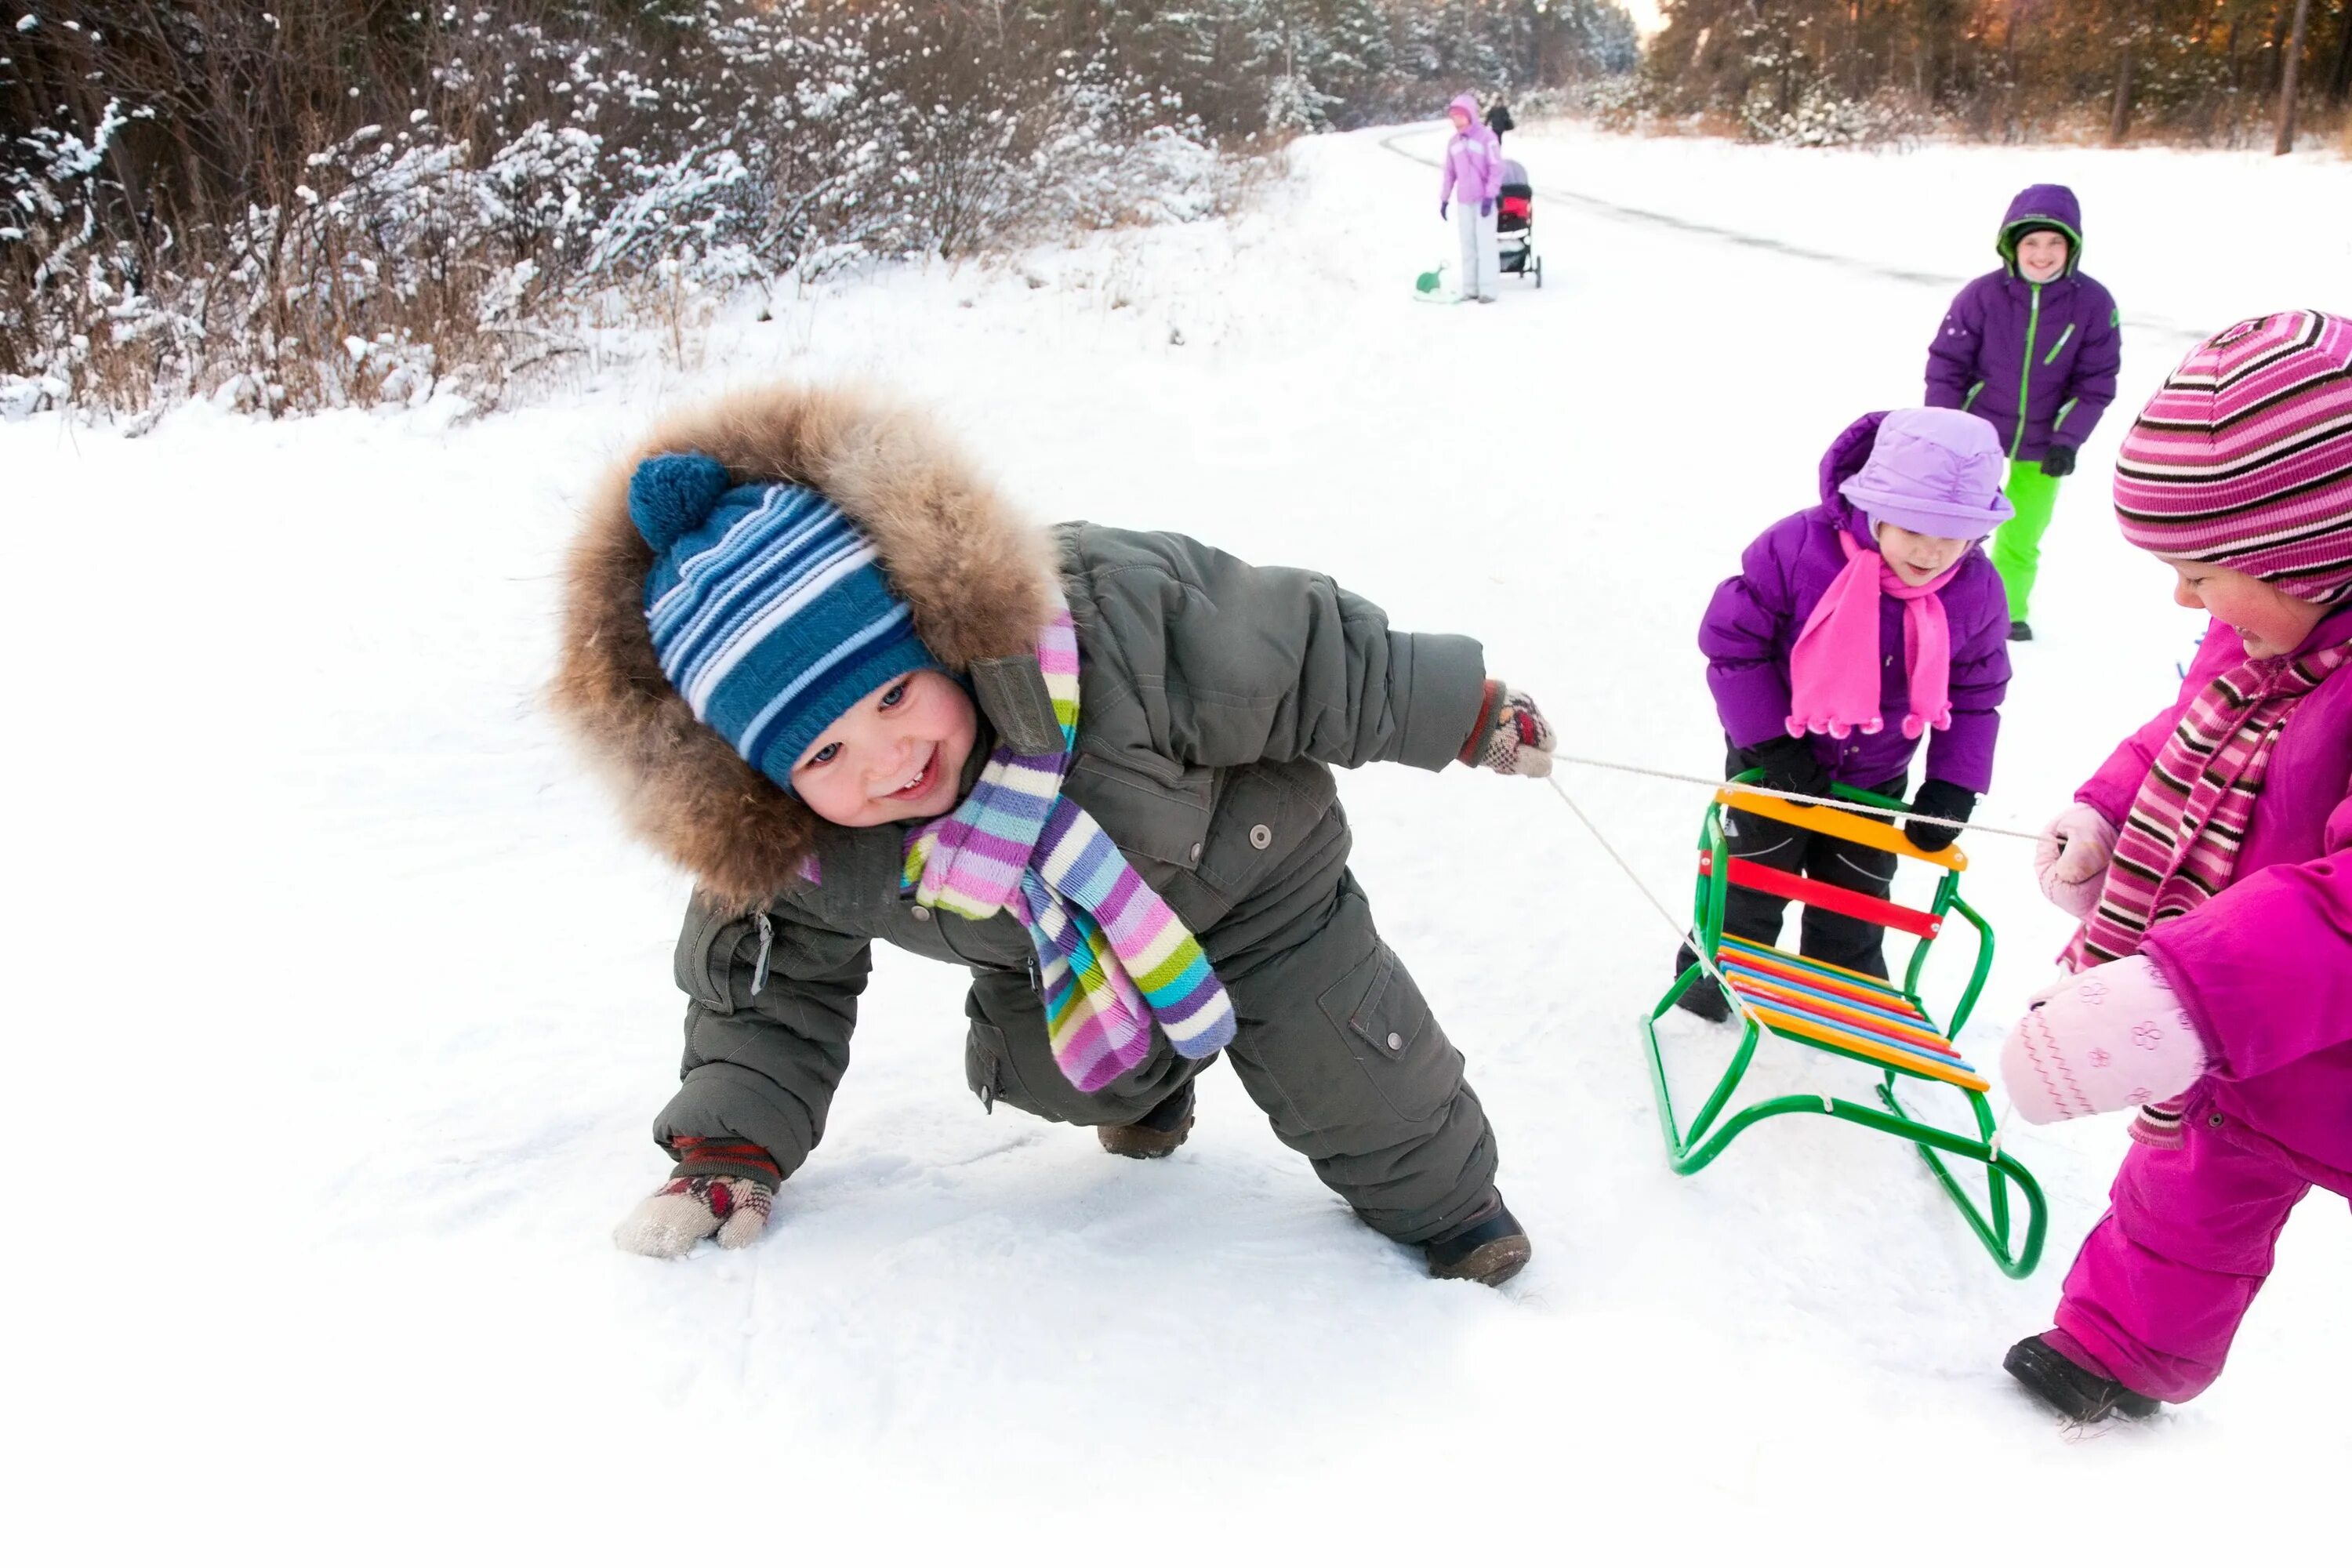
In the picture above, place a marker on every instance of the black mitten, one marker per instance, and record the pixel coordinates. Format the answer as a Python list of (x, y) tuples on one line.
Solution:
[(1936, 798), (1789, 764)]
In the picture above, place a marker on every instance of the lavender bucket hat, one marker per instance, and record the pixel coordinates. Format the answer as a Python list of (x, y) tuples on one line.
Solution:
[(1935, 471)]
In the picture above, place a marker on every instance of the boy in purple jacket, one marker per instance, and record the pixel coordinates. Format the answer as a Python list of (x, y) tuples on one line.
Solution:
[(1854, 629), (2032, 347), (2211, 863)]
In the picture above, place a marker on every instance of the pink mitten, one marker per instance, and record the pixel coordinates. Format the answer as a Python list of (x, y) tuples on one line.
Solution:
[(2072, 858), (2102, 1040)]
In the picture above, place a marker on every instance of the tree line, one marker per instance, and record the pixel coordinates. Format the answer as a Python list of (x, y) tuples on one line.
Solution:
[(2226, 73)]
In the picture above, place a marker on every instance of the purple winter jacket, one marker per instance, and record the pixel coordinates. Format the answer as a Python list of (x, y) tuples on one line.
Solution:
[(1752, 623), (2038, 360), (2264, 966), (1474, 160)]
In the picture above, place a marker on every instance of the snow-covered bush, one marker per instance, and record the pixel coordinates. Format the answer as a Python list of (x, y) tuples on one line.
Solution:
[(453, 188)]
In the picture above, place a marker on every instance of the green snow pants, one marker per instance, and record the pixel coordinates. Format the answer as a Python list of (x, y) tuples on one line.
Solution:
[(2017, 545)]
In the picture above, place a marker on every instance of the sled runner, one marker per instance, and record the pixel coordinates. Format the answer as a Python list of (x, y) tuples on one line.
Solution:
[(1849, 1014)]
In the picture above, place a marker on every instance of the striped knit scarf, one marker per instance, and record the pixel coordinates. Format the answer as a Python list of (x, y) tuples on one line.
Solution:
[(1112, 957), (2181, 842)]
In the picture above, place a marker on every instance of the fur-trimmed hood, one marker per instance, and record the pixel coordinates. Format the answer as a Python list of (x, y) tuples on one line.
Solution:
[(975, 577)]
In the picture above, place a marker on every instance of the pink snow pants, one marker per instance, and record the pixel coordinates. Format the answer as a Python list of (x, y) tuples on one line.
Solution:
[(2158, 1291)]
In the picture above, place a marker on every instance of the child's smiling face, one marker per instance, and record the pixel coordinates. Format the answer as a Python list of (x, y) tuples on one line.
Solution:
[(2268, 620), (2042, 256), (1918, 558), (898, 755)]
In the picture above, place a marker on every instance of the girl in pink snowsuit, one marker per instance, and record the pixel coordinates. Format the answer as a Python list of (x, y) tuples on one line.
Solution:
[(2210, 860), (1472, 176)]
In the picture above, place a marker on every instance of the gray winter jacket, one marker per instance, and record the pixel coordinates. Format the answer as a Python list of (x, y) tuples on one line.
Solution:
[(1216, 699)]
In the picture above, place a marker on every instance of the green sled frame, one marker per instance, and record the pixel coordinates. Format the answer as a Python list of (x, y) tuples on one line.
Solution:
[(1692, 1148)]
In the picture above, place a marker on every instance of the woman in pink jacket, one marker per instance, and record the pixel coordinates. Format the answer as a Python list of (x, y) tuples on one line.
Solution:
[(2211, 861), (1473, 177)]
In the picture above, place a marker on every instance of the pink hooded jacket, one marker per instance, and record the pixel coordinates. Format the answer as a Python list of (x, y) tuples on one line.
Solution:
[(1474, 160), (2265, 965)]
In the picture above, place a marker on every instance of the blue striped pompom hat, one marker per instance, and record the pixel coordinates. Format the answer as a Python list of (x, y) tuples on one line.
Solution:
[(768, 607)]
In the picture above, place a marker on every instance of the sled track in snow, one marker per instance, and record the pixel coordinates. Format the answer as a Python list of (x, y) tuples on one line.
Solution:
[(1779, 246)]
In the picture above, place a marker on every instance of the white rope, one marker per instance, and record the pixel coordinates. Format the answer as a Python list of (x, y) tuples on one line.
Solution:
[(1690, 938), (1855, 805)]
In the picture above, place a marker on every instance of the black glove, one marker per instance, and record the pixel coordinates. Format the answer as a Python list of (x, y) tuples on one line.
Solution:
[(1789, 763), (1936, 798), (2059, 462), (1445, 209)]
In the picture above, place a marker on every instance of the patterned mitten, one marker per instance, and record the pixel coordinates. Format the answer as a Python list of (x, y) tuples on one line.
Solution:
[(2071, 861), (2102, 1040), (1510, 736), (707, 1194)]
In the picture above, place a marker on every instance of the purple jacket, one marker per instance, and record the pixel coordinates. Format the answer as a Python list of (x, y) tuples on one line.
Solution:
[(1752, 623), (2039, 360), (1474, 160), (2265, 965)]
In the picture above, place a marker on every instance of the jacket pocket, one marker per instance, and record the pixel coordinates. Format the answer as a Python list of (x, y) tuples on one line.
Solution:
[(1966, 403), (1403, 1057), (706, 957), (2063, 339), (1264, 814)]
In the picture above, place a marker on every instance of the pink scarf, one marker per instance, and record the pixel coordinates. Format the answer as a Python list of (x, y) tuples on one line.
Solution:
[(1834, 670)]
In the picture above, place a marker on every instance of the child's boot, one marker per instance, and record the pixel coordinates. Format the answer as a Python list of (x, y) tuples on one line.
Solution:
[(2069, 1387), (1704, 997), (1489, 1248), (1157, 1134)]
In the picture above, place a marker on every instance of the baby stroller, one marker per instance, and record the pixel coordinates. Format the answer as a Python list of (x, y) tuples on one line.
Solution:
[(1515, 225)]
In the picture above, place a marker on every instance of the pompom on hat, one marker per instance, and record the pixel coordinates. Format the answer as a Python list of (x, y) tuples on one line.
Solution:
[(1936, 471), (2243, 458), (768, 607)]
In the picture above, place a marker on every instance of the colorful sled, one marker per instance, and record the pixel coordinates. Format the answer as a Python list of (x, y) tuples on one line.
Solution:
[(1847, 1013)]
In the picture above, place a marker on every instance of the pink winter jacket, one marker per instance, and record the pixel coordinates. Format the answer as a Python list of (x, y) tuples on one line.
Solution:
[(2265, 965), (1473, 171)]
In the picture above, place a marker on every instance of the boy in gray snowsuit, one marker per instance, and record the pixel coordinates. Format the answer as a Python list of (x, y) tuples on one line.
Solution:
[(834, 678)]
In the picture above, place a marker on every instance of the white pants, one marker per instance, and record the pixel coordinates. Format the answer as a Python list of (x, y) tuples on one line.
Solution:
[(1482, 272)]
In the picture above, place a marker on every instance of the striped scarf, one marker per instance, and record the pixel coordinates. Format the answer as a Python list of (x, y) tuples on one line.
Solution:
[(2181, 842), (1112, 957)]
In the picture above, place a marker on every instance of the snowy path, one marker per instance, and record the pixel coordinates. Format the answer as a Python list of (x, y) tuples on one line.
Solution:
[(340, 1008)]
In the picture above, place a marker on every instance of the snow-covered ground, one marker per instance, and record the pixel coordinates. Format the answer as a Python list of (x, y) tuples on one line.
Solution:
[(338, 1007)]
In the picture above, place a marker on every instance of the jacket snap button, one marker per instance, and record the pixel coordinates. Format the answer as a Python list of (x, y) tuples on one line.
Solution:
[(2214, 1120), (1396, 1042), (1261, 835), (922, 913), (1196, 854)]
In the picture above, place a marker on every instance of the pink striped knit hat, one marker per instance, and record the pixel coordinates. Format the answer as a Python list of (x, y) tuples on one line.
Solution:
[(2243, 458)]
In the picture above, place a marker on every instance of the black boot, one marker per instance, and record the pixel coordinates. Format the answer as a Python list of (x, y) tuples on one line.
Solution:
[(1157, 1135), (1489, 1248), (2020, 632), (2073, 1390), (1704, 998)]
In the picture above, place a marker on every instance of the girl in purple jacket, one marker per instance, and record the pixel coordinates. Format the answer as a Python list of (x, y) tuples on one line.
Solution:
[(2211, 863), (2034, 347), (1854, 629), (1473, 178)]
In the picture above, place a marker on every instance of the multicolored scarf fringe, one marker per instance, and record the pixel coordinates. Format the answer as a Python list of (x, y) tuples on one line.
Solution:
[(2181, 842), (1112, 957)]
